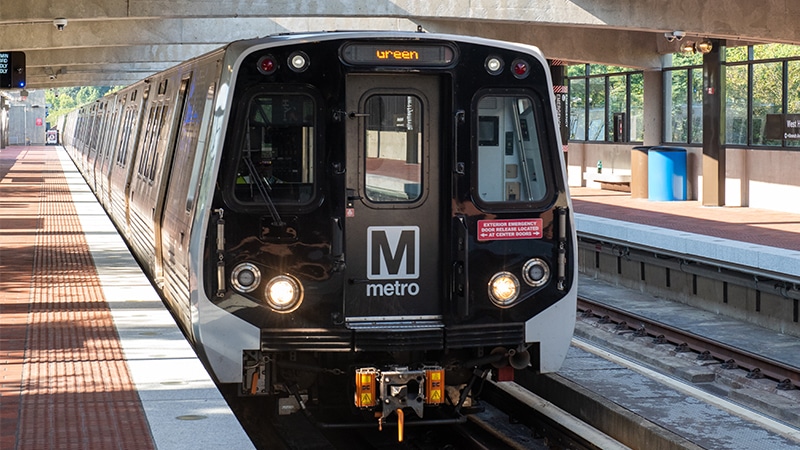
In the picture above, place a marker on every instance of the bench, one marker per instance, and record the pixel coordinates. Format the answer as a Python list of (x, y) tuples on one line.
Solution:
[(619, 180)]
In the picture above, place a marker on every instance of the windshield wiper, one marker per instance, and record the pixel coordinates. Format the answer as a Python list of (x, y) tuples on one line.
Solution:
[(263, 189)]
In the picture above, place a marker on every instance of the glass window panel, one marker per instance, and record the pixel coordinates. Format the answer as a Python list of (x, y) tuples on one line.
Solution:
[(510, 166), (697, 106), (618, 99), (767, 98), (577, 70), (775, 51), (736, 105), (636, 131), (597, 69), (684, 59), (202, 138), (675, 106), (597, 109), (277, 150), (393, 148), (736, 54), (577, 109)]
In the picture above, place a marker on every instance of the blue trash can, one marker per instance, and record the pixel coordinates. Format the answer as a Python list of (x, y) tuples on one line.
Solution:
[(666, 173)]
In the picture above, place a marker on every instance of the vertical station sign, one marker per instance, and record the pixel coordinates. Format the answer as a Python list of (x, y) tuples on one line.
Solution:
[(12, 70)]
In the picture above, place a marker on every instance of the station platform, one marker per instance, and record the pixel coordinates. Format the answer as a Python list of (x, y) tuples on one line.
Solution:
[(89, 356), (746, 237)]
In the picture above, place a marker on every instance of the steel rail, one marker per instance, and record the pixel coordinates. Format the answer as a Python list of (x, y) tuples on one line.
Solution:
[(755, 364), (562, 429)]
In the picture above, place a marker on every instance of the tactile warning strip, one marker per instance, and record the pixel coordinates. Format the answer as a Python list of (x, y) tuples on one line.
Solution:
[(63, 382)]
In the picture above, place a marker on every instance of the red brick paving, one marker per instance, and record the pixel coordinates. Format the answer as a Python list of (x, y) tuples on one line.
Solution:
[(63, 379), (753, 225)]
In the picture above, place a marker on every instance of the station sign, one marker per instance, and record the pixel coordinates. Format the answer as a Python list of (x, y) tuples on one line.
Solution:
[(491, 230), (782, 126), (12, 70)]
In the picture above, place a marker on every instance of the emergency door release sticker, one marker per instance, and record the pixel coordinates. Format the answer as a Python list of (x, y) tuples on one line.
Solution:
[(492, 230)]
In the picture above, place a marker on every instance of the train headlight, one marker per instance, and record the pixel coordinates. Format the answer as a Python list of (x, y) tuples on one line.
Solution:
[(503, 289), (284, 293), (536, 272), (245, 277), (298, 61), (494, 65)]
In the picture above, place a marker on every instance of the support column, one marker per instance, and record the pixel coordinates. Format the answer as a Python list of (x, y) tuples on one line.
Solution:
[(653, 130), (714, 125)]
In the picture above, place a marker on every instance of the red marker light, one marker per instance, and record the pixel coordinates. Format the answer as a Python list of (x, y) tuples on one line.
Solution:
[(267, 65), (520, 68)]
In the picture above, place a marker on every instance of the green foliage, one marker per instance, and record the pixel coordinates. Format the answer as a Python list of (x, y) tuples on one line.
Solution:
[(577, 70), (687, 59), (774, 51), (63, 100)]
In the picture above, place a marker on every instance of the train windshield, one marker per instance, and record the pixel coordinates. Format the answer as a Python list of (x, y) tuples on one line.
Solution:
[(510, 165), (278, 150)]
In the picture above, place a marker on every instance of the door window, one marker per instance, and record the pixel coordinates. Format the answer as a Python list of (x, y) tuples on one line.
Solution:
[(393, 144)]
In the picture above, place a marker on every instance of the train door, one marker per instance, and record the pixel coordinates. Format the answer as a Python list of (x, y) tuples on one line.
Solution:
[(392, 223), (167, 153)]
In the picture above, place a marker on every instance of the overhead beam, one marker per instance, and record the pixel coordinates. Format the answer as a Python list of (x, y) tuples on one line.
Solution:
[(774, 20), (633, 49), (615, 32), (217, 31), (161, 53)]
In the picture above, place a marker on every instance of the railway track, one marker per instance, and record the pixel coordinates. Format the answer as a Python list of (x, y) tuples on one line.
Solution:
[(730, 356), (551, 426), (512, 418)]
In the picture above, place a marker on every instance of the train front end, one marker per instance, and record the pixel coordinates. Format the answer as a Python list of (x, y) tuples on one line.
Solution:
[(390, 225)]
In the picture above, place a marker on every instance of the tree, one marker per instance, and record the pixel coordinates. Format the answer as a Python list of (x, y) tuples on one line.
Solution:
[(63, 100)]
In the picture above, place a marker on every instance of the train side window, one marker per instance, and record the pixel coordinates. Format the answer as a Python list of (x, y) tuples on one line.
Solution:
[(128, 123), (278, 148), (202, 142), (157, 125), (509, 165), (393, 148)]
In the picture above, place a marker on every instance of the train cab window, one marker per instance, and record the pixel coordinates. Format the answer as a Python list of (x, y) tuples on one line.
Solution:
[(393, 148), (278, 149), (509, 164)]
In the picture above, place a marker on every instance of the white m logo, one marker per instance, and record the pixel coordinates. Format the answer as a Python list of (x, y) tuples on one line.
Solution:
[(393, 253)]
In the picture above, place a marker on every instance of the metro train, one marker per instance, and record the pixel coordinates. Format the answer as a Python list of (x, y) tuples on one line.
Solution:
[(355, 225)]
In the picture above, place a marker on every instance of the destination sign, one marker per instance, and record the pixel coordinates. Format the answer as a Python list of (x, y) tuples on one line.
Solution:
[(398, 54), (12, 70), (782, 126)]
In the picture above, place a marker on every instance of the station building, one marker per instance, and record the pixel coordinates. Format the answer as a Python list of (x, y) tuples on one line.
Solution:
[(22, 117), (616, 115)]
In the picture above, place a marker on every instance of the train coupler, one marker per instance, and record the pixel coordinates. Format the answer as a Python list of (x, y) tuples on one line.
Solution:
[(394, 388), (398, 387)]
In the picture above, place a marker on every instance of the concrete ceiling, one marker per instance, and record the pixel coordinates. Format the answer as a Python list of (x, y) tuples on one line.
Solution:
[(117, 42)]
